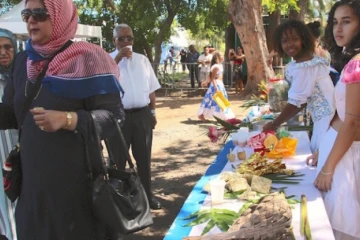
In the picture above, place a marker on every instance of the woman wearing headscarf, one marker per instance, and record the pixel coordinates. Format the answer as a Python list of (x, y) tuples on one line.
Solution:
[(7, 138), (80, 81)]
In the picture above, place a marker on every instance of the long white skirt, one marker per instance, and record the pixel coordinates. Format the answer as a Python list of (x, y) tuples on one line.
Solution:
[(342, 202)]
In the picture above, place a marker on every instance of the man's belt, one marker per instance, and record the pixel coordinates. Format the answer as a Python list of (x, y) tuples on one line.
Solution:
[(132, 110)]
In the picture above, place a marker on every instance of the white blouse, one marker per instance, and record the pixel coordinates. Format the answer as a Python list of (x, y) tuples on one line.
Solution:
[(310, 83)]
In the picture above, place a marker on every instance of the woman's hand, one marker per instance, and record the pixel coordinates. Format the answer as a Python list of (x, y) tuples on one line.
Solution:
[(324, 179), (49, 120), (313, 159)]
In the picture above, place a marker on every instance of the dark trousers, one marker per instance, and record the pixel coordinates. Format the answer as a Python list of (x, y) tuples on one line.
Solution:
[(194, 72), (183, 64), (2, 237), (138, 133)]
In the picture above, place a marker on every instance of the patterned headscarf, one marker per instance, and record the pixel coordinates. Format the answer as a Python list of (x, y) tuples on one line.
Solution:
[(87, 67)]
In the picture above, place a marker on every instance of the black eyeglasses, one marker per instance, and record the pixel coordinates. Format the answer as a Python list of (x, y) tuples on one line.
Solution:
[(125, 38), (7, 47), (38, 14)]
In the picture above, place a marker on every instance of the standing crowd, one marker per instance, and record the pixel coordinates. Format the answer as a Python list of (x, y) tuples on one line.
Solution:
[(75, 89)]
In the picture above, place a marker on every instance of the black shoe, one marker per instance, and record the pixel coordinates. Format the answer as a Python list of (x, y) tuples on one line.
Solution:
[(154, 204)]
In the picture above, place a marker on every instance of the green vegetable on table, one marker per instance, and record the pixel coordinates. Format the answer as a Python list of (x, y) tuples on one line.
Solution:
[(285, 179), (222, 218)]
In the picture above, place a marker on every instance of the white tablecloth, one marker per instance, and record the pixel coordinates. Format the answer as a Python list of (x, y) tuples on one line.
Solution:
[(319, 223)]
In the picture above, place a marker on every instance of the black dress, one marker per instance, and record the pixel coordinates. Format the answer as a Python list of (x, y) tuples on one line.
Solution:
[(54, 200)]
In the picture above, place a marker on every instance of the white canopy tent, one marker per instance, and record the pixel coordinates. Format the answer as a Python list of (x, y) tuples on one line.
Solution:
[(12, 21)]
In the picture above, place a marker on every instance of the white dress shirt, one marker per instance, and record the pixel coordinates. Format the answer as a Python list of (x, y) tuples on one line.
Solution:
[(138, 80), (204, 58)]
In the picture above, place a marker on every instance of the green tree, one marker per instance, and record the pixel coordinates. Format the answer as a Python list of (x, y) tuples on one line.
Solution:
[(5, 5), (153, 20)]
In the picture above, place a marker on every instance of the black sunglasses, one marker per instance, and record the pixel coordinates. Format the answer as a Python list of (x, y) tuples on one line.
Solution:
[(125, 38), (38, 14)]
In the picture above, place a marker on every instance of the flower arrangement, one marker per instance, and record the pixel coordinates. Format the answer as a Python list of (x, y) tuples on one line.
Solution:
[(257, 100), (272, 144), (225, 129)]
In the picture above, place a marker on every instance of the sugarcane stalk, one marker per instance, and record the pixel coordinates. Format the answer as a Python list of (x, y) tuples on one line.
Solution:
[(304, 221)]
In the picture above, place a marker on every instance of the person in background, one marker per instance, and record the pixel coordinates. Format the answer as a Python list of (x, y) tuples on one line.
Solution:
[(8, 139), (238, 59), (208, 107), (204, 60), (80, 82), (191, 60), (183, 56), (167, 60), (21, 48), (339, 153), (320, 51), (308, 75), (140, 83), (314, 28), (173, 57)]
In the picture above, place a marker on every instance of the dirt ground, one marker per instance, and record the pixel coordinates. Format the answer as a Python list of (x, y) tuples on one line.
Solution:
[(181, 154)]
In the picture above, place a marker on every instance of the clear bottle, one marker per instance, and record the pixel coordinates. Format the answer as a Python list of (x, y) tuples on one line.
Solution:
[(277, 94)]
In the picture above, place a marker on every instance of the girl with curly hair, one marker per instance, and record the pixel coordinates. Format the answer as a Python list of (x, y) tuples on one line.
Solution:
[(308, 75)]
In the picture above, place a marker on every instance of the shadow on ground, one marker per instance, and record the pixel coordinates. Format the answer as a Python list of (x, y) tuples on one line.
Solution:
[(183, 162)]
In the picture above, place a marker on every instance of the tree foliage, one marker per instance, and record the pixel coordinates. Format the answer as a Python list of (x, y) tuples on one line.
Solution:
[(283, 5), (5, 5), (153, 20)]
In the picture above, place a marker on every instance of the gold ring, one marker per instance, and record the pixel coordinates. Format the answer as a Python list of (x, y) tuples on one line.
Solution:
[(42, 128)]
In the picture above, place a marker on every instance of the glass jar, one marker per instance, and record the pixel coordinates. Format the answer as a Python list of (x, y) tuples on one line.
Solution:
[(277, 94)]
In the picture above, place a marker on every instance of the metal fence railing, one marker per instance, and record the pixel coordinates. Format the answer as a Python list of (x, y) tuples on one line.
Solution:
[(177, 75)]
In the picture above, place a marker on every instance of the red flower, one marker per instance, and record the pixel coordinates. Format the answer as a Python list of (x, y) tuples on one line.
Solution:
[(215, 133), (257, 141)]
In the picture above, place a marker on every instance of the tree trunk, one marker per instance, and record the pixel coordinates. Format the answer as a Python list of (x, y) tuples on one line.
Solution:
[(160, 38), (246, 17), (274, 21), (229, 43), (302, 4)]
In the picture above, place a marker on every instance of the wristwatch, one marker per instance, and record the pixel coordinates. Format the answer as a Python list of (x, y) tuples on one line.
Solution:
[(68, 120), (153, 112)]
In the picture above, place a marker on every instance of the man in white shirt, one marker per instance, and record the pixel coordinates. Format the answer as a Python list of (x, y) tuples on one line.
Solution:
[(139, 82), (205, 63)]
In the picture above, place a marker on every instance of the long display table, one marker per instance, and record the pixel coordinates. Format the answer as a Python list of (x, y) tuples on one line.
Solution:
[(199, 200)]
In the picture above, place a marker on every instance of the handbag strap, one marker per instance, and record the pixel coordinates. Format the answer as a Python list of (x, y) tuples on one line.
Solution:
[(111, 156), (31, 95)]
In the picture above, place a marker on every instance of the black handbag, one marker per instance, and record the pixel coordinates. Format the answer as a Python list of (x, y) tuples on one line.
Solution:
[(118, 197), (12, 172)]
